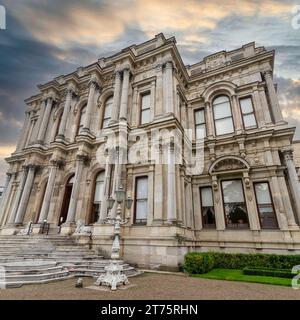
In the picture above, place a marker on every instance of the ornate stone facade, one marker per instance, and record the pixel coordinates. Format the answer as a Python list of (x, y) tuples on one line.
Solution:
[(243, 195)]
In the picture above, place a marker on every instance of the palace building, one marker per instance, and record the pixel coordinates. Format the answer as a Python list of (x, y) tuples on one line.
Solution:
[(243, 196)]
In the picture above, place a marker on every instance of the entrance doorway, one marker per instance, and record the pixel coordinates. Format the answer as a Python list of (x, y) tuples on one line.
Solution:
[(66, 201)]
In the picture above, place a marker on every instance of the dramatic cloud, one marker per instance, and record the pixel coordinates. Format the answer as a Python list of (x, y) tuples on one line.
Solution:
[(47, 38)]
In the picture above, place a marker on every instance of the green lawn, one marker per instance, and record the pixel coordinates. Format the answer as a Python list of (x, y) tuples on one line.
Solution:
[(237, 275)]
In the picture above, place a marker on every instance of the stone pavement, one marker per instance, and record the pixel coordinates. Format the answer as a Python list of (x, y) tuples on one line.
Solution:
[(155, 286)]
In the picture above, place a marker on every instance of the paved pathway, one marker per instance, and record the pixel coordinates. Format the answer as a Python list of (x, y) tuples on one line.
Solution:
[(156, 286)]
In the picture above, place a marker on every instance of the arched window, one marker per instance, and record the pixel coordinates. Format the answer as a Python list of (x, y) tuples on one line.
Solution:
[(82, 119), (107, 112), (98, 194), (223, 115)]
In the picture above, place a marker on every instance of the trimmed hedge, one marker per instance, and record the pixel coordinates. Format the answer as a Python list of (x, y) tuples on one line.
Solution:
[(193, 261), (197, 264), (281, 273)]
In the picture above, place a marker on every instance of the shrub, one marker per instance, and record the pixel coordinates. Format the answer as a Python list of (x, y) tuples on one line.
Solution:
[(195, 263), (281, 273)]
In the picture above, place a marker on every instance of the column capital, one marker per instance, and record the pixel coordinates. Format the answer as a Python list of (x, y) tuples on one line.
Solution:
[(58, 163), (72, 90), (268, 72), (288, 153), (81, 157), (94, 81), (169, 64), (159, 67)]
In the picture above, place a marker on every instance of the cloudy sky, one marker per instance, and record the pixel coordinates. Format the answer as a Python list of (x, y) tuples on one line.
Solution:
[(46, 38)]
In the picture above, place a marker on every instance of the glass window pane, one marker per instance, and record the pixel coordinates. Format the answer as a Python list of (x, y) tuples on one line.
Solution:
[(262, 193), (199, 117), (141, 210), (146, 101), (98, 191), (142, 188), (249, 120), (267, 217), (222, 110), (145, 117), (224, 126), (200, 131), (233, 191), (246, 105), (207, 197), (105, 123), (220, 99)]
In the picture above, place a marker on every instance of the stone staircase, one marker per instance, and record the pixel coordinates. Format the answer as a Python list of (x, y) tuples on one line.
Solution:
[(37, 259)]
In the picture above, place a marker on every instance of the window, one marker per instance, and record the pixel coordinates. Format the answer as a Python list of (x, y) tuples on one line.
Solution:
[(141, 200), (248, 113), (234, 204), (98, 193), (265, 206), (200, 126), (223, 115), (107, 112), (145, 108), (82, 119), (207, 207)]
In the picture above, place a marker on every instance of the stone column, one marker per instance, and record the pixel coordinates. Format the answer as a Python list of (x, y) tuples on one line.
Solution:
[(258, 109), (80, 159), (168, 79), (276, 111), (265, 106), (287, 203), (44, 124), (171, 196), (159, 91), (66, 112), (116, 99), (292, 178), (278, 204), (152, 110), (94, 85), (134, 111), (25, 131), (218, 204), (25, 195), (124, 96), (48, 193), (210, 121), (158, 188), (105, 195), (237, 114), (12, 216), (5, 195)]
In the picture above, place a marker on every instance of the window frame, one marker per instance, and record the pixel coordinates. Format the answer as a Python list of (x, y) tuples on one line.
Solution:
[(79, 120), (215, 120), (142, 94), (212, 225), (135, 222), (253, 112), (272, 204), (199, 124), (223, 204), (104, 110)]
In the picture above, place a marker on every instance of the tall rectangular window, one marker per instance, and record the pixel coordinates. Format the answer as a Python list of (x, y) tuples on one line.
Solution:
[(223, 115), (200, 126), (145, 108), (107, 112), (265, 206), (207, 207), (141, 200), (235, 208), (248, 115)]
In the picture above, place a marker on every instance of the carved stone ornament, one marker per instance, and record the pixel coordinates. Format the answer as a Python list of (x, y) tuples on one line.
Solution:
[(229, 164)]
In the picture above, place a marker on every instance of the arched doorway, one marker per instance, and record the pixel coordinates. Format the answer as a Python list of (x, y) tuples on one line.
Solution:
[(66, 200)]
